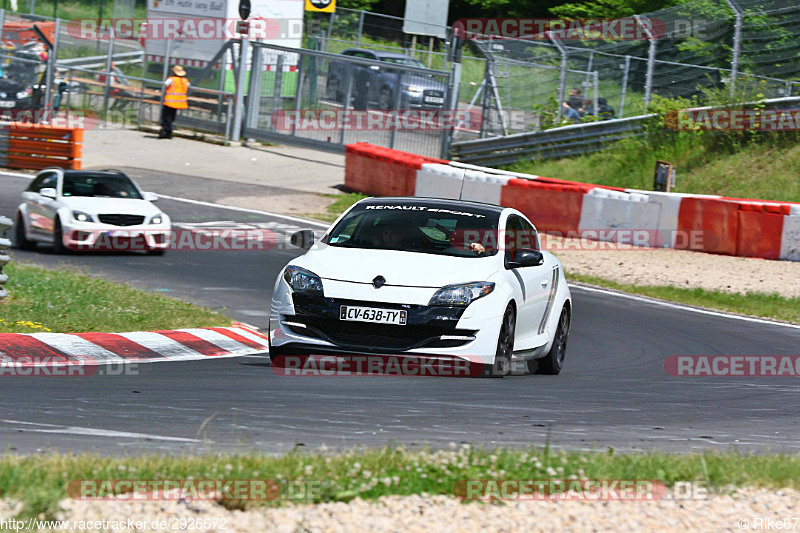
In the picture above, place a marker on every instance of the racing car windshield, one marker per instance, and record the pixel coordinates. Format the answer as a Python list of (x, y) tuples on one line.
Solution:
[(111, 186), (416, 228)]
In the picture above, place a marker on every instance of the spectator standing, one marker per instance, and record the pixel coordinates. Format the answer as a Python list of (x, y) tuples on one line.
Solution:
[(177, 87)]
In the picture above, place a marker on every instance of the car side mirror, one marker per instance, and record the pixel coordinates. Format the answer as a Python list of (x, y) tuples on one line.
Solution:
[(526, 258), (150, 196), (48, 192), (303, 239)]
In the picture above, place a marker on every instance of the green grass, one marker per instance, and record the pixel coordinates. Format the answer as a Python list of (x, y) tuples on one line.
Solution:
[(63, 301), (340, 205), (772, 306), (767, 171), (40, 481)]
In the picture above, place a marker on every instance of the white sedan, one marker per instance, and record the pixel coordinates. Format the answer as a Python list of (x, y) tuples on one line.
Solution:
[(427, 278), (87, 209)]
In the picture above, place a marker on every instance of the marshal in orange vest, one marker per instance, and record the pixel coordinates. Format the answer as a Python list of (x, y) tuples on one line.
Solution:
[(175, 97)]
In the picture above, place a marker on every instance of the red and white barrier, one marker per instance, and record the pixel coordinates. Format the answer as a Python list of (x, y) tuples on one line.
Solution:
[(713, 224), (55, 349)]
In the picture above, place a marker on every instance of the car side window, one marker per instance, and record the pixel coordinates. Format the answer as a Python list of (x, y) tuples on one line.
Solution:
[(532, 235), (43, 181), (519, 236)]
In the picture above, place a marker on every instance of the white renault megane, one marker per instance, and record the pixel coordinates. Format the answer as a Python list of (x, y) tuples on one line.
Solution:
[(90, 209), (425, 278)]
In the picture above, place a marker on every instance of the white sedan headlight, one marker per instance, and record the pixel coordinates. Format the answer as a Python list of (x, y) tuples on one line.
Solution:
[(158, 219), (80, 216), (462, 294), (302, 280), (413, 89)]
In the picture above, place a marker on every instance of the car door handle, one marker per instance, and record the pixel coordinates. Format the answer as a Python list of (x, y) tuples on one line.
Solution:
[(545, 283)]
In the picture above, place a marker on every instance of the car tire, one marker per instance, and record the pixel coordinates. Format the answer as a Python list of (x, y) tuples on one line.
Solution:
[(274, 353), (20, 240), (156, 252), (505, 347), (58, 239), (552, 363), (385, 100)]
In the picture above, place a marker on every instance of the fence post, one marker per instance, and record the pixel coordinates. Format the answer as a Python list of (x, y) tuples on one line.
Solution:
[(360, 27), (596, 84), (108, 72), (627, 68), (562, 74), (5, 244), (254, 89), (737, 45), (2, 22), (452, 105), (277, 87), (651, 59), (52, 58), (238, 108)]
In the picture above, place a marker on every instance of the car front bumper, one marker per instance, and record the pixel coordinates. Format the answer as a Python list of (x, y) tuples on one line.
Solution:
[(105, 237), (302, 324)]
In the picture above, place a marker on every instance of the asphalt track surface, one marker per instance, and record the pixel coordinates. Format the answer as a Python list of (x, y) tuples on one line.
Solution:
[(613, 391)]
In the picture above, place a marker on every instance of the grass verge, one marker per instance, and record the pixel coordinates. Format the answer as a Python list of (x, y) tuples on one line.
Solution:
[(40, 481), (63, 301), (765, 170), (341, 204), (758, 304)]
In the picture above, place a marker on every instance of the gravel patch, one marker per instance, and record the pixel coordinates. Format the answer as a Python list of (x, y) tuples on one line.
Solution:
[(411, 514), (681, 268)]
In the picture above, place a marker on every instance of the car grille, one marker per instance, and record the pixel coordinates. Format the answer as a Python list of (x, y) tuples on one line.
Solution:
[(121, 220), (377, 337), (437, 94)]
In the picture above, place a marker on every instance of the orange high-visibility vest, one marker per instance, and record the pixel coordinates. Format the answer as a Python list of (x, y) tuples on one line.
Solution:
[(175, 96)]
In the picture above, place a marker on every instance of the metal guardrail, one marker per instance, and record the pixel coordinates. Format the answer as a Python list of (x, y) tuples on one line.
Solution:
[(101, 61), (5, 244), (549, 144), (575, 139)]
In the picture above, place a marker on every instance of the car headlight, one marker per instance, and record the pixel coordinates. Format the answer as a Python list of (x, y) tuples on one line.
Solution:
[(22, 95), (80, 216), (413, 89), (158, 219), (302, 280), (462, 294)]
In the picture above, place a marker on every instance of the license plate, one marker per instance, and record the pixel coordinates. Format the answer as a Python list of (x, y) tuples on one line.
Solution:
[(371, 314), (434, 100), (7, 104)]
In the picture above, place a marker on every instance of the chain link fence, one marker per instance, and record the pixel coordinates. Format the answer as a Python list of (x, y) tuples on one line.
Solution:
[(328, 100)]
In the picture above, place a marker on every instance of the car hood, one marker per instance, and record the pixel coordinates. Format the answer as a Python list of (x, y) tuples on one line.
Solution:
[(409, 269), (123, 206), (11, 87)]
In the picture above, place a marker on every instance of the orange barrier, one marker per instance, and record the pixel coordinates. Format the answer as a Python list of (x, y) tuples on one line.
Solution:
[(709, 224), (760, 230), (382, 171), (553, 207), (36, 147), (21, 31)]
